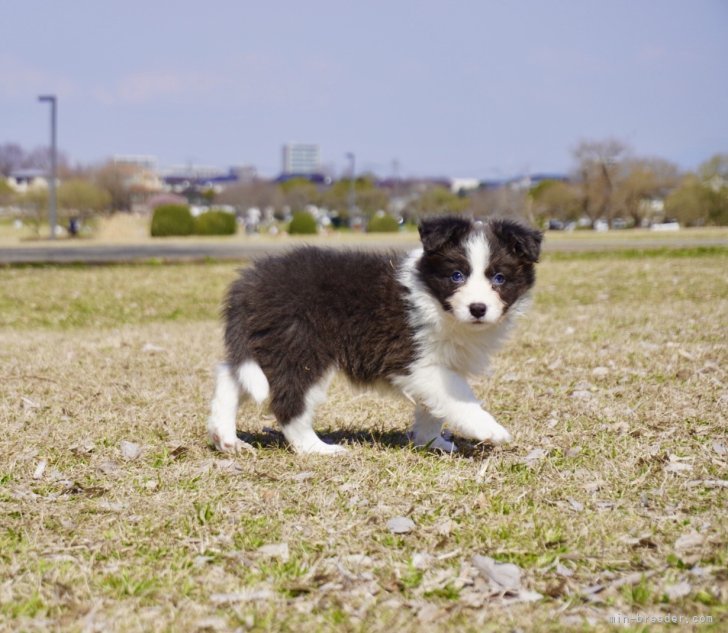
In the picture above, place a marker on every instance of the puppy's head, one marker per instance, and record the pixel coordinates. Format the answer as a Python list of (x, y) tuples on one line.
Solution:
[(477, 270)]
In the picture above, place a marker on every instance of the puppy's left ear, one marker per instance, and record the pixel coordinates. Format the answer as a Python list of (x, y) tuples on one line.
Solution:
[(522, 241)]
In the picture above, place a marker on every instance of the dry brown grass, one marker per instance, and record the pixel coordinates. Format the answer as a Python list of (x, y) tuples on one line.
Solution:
[(611, 499)]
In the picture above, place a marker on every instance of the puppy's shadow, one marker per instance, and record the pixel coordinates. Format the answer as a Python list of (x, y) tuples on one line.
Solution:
[(272, 438)]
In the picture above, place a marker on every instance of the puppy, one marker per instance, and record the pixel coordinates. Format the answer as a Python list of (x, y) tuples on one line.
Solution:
[(420, 323)]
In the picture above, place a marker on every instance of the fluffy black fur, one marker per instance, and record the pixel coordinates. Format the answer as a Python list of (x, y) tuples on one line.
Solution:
[(302, 313)]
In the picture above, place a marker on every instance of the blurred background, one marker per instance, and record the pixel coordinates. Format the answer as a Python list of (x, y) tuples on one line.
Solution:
[(323, 116)]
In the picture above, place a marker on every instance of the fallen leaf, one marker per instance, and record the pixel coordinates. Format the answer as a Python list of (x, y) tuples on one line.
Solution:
[(400, 525), (709, 483), (689, 541), (227, 465), (534, 456), (111, 506), (576, 506), (40, 469), (581, 394), (303, 476), (109, 467), (251, 595), (677, 467), (680, 590), (178, 452), (130, 451), (421, 560), (29, 404), (505, 575), (275, 550)]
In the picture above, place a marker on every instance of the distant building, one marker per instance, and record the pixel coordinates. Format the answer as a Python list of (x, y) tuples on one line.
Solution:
[(24, 180), (301, 158), (138, 161)]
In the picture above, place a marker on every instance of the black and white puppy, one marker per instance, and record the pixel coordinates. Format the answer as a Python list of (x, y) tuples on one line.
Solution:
[(420, 322)]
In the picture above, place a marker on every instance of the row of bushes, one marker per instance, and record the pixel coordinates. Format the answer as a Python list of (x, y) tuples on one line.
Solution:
[(303, 223), (175, 219)]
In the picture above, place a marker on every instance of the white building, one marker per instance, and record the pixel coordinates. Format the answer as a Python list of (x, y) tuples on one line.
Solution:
[(301, 158)]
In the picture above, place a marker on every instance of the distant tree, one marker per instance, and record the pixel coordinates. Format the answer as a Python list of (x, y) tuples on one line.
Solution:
[(7, 194), (34, 208), (597, 169), (436, 200), (258, 193), (11, 158), (553, 199), (116, 180), (368, 197), (715, 169), (82, 199), (689, 202), (702, 198), (642, 180), (299, 193)]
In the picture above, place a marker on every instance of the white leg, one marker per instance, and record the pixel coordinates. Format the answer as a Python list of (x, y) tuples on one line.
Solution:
[(224, 408), (299, 431), (448, 396), (426, 432)]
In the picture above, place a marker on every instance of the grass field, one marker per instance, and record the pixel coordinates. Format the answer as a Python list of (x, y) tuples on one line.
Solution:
[(116, 515)]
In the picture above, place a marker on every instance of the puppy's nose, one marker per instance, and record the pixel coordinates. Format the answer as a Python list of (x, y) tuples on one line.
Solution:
[(478, 310)]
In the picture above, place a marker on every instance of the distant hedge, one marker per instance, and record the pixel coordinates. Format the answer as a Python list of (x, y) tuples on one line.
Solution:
[(172, 219), (383, 224), (303, 223), (216, 222), (176, 219)]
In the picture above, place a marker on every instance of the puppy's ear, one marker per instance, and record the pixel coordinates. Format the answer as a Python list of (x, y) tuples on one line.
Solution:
[(520, 240), (436, 233)]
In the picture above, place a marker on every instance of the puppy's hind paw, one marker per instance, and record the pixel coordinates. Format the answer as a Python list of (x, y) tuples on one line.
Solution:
[(230, 445)]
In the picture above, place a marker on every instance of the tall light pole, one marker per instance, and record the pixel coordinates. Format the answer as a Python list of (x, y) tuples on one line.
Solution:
[(52, 183), (352, 185)]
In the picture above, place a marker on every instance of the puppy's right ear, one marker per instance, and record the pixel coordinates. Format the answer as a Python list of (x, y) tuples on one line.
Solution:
[(436, 233)]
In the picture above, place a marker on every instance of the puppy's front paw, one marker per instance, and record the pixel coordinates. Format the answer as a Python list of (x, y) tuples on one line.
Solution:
[(496, 434), (438, 443)]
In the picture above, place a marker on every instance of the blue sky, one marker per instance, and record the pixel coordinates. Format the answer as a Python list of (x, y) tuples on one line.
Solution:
[(483, 88)]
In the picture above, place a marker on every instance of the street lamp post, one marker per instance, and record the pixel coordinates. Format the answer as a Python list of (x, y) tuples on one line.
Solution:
[(52, 183), (352, 185)]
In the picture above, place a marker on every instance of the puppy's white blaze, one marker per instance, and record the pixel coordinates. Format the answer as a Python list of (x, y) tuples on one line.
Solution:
[(477, 288), (443, 340), (221, 423), (253, 380), (299, 431)]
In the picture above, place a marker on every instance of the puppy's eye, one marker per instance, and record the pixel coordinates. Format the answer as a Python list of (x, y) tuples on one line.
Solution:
[(457, 277), (499, 279)]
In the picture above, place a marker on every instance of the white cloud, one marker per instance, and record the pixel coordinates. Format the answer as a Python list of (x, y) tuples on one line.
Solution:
[(146, 87)]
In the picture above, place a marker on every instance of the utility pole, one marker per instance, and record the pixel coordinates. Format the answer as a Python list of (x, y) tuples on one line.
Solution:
[(352, 185), (52, 183)]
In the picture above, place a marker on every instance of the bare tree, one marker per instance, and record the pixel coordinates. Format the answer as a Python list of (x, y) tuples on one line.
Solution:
[(257, 193), (598, 168), (503, 202), (11, 158)]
